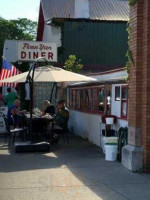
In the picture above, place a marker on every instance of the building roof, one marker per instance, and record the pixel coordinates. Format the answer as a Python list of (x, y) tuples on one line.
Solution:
[(109, 77), (121, 80), (107, 10)]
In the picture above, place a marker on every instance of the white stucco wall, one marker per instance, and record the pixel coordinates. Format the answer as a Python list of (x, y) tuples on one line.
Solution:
[(89, 126), (85, 125), (82, 9), (52, 34)]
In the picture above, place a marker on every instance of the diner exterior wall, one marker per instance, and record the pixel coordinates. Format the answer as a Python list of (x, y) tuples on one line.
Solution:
[(85, 125), (89, 126)]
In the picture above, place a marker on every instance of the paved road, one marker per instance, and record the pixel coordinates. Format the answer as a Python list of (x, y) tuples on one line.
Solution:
[(77, 171)]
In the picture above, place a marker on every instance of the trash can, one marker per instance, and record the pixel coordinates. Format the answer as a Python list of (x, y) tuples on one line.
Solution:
[(110, 152)]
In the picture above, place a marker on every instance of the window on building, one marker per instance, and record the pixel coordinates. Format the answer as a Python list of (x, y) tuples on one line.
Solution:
[(70, 98), (98, 99), (101, 100), (88, 99), (124, 102), (82, 100), (78, 104), (95, 100), (74, 92), (117, 93)]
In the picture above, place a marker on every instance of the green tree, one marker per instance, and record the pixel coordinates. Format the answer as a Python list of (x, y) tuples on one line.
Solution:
[(19, 29), (27, 29), (72, 64)]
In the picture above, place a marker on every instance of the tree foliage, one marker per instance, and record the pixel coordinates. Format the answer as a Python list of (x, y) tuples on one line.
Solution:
[(72, 64), (19, 29), (27, 28)]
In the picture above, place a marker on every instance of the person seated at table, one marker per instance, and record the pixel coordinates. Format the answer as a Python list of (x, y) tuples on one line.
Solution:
[(48, 108), (62, 115), (60, 122), (14, 114)]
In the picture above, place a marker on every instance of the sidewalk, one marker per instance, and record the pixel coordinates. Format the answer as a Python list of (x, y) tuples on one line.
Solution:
[(77, 171)]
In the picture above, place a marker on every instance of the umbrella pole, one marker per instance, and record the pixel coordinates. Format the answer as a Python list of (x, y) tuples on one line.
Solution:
[(31, 100), (31, 108)]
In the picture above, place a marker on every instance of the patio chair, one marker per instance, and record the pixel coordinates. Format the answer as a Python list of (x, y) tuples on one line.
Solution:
[(62, 131), (10, 132)]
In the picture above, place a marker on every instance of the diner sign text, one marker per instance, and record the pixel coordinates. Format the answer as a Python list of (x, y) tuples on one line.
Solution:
[(30, 51)]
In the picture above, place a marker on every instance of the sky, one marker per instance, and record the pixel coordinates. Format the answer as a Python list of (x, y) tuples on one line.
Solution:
[(13, 9)]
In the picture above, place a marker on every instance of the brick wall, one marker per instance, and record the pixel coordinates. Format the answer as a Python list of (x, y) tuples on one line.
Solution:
[(139, 85)]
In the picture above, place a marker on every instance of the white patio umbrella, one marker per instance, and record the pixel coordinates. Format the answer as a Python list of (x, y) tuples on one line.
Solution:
[(45, 74), (49, 74)]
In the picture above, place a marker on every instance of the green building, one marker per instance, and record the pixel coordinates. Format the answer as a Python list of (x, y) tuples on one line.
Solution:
[(94, 31)]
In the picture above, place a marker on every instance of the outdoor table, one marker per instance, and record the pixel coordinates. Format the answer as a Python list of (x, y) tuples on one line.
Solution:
[(45, 117), (39, 123)]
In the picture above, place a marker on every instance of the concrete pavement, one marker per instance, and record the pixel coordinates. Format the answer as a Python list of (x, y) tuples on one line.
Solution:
[(77, 171)]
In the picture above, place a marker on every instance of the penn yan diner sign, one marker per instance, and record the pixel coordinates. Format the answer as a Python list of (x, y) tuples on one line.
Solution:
[(30, 51)]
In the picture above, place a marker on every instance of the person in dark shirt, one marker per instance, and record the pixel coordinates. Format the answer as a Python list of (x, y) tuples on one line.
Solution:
[(62, 115), (48, 108), (60, 122)]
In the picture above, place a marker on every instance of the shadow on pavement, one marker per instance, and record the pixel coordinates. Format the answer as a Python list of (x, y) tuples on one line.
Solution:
[(79, 164)]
